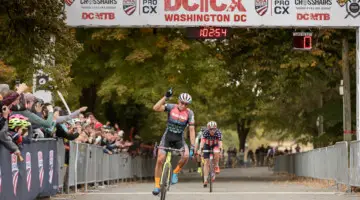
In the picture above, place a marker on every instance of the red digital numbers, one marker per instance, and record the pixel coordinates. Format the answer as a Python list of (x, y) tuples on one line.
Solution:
[(211, 32), (307, 42)]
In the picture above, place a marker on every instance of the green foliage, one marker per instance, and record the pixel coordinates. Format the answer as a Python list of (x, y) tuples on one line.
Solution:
[(25, 31), (230, 139)]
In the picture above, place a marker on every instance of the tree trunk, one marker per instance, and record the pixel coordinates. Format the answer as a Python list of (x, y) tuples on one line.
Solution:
[(88, 98), (243, 128)]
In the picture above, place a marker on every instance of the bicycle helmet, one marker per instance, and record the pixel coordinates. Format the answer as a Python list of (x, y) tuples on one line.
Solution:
[(185, 97), (18, 121), (25, 124), (211, 124)]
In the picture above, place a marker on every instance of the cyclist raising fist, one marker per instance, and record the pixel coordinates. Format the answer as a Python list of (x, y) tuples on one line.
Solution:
[(179, 117)]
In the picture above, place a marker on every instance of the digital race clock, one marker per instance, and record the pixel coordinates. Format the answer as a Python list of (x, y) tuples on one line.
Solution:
[(208, 32), (302, 40)]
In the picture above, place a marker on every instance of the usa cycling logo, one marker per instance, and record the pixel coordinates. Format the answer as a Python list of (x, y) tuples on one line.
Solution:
[(28, 171), (51, 166), (41, 167), (15, 172), (261, 6), (352, 7), (69, 2), (129, 6)]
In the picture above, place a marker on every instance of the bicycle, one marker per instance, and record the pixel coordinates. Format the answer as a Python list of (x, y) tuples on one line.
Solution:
[(167, 170), (211, 167)]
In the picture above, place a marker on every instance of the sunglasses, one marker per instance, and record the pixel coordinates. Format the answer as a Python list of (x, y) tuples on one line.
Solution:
[(212, 129), (184, 103)]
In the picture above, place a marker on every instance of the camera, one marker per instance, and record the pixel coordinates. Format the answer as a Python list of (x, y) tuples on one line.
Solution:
[(39, 101)]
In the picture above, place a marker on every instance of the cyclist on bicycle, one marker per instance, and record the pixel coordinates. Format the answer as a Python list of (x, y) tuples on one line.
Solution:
[(212, 138), (197, 148), (179, 117)]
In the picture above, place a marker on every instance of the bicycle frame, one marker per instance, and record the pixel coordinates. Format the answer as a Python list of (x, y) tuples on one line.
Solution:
[(167, 164)]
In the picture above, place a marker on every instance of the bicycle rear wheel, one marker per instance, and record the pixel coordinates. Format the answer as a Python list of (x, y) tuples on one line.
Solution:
[(165, 181), (211, 170)]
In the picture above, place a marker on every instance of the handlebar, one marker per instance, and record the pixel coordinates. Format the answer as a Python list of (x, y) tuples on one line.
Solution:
[(170, 149), (165, 148)]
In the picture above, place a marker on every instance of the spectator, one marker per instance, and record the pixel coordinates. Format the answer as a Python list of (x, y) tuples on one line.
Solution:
[(5, 139), (250, 156)]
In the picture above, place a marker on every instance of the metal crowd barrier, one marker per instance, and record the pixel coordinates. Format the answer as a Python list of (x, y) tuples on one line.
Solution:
[(328, 163), (89, 164), (355, 163)]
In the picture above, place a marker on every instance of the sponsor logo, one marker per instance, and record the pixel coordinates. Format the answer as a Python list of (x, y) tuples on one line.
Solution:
[(41, 167), (178, 116), (204, 6), (149, 6), (98, 16), (129, 6), (205, 11), (314, 5), (281, 7), (342, 2), (94, 2), (28, 171), (313, 2), (69, 2), (313, 16), (98, 4), (15, 172), (352, 8), (51, 165), (261, 7)]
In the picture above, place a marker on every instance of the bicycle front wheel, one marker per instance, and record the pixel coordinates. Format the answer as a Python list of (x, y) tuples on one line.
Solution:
[(165, 181), (211, 172)]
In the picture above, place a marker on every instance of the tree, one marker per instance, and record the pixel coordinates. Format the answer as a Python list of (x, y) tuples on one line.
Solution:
[(128, 71), (25, 31)]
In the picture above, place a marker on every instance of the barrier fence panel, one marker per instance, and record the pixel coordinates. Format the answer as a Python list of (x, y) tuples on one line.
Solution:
[(61, 162), (328, 163), (355, 163), (72, 165), (331, 162), (36, 176), (99, 164), (106, 163), (91, 164), (128, 164), (341, 160), (82, 160)]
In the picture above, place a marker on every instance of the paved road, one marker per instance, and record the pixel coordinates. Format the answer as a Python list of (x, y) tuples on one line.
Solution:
[(231, 184)]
